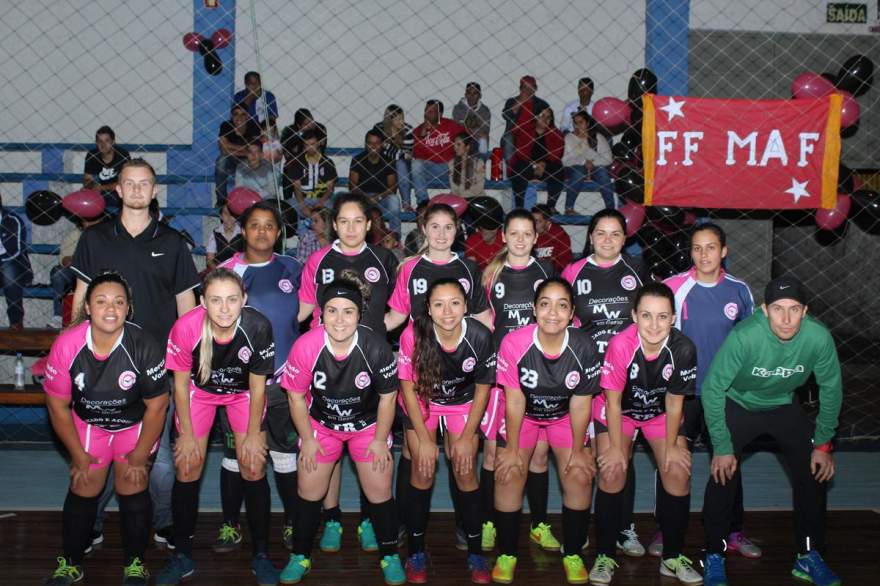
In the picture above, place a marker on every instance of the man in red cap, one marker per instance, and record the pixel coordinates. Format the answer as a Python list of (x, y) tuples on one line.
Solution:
[(519, 111)]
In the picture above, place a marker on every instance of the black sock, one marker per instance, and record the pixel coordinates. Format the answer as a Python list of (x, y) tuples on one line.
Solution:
[(607, 521), (384, 519), (285, 482), (418, 508), (575, 523), (404, 470), (628, 499), (454, 495), (308, 517), (259, 506), (231, 495), (185, 512), (76, 525), (365, 506), (487, 494), (508, 531), (333, 514), (676, 512), (472, 520), (537, 488), (135, 514)]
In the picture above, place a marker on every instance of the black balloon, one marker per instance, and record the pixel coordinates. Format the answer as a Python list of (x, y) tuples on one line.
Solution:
[(680, 261), (866, 210), (623, 152), (485, 212), (682, 241), (43, 208), (856, 75), (648, 236), (632, 138), (674, 217), (630, 185), (643, 81), (845, 182), (213, 64), (830, 77)]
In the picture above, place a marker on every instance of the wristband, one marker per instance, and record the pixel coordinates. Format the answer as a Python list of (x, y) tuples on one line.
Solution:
[(826, 447)]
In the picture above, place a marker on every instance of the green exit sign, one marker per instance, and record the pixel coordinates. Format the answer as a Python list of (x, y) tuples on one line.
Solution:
[(847, 13)]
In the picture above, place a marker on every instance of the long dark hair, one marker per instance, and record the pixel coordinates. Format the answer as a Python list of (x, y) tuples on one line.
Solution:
[(463, 169), (591, 128), (106, 277)]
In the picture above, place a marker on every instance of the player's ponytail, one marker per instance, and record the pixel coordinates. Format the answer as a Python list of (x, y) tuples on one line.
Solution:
[(493, 269), (206, 343)]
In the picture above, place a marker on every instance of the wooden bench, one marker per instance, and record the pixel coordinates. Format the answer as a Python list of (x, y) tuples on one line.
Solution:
[(28, 341), (31, 395)]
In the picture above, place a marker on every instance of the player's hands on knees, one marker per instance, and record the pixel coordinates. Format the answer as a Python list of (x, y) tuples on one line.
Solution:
[(79, 468), (613, 460), (253, 451), (186, 452), (822, 465), (676, 455), (426, 457), (723, 468), (137, 471), (506, 461), (308, 452), (382, 458), (582, 459), (463, 452)]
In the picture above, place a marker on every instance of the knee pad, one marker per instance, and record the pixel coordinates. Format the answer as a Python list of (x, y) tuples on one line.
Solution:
[(282, 462), (230, 464)]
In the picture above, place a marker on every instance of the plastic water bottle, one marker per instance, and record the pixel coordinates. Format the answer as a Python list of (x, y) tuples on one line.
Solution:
[(19, 373)]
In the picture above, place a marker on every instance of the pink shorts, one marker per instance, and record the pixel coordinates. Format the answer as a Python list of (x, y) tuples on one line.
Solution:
[(331, 442), (203, 407), (453, 418), (108, 446), (494, 414), (556, 432), (654, 428)]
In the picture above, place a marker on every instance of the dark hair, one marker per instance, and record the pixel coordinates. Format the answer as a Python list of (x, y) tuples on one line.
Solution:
[(238, 106), (105, 130), (138, 163), (654, 289), (299, 117), (437, 103), (545, 210), (554, 281), (426, 357), (591, 127), (260, 205), (251, 74), (475, 85), (374, 133), (588, 82), (109, 277), (607, 213), (310, 134), (711, 227), (541, 109), (348, 197)]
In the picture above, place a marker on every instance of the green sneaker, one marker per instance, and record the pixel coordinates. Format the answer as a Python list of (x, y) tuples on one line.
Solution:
[(65, 574), (575, 571), (331, 540), (287, 537), (392, 570), (135, 574), (487, 541), (603, 570), (296, 569), (229, 538), (543, 536), (504, 568), (367, 536)]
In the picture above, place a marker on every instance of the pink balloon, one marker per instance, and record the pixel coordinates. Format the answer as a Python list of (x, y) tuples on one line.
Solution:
[(456, 202), (836, 216), (810, 85), (87, 204), (849, 112), (634, 215), (611, 112), (191, 41), (240, 199), (221, 38)]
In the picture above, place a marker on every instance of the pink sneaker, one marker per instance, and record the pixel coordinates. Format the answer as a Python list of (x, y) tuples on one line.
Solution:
[(741, 544)]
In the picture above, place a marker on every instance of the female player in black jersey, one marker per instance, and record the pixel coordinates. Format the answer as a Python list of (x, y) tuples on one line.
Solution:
[(221, 353), (350, 375), (447, 364), (510, 280), (549, 373), (113, 375), (649, 368)]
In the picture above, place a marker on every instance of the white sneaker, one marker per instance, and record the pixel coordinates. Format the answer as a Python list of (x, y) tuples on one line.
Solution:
[(55, 323), (682, 569), (631, 546), (603, 570)]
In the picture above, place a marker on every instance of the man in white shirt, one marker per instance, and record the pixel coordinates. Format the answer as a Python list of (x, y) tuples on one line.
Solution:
[(583, 103)]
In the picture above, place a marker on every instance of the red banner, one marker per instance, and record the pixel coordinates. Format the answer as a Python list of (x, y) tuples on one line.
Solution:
[(741, 154)]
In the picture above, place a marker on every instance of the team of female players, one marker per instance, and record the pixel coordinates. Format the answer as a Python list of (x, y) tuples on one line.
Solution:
[(518, 358)]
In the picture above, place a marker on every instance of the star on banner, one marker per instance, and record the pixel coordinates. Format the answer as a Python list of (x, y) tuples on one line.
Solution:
[(798, 190), (673, 109)]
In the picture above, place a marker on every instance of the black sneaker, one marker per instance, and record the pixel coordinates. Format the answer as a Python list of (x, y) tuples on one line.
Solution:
[(96, 538), (164, 538), (287, 536)]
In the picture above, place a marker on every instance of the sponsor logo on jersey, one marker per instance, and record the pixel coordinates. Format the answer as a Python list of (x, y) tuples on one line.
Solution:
[(537, 282), (127, 380), (362, 380), (778, 371), (244, 354), (572, 379), (285, 285), (731, 311), (468, 364), (466, 284), (628, 282), (372, 274), (667, 372)]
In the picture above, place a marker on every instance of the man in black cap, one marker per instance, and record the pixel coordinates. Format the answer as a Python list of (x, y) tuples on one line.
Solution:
[(749, 391)]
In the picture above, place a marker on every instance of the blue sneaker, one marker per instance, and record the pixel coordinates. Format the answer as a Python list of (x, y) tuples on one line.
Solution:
[(331, 539), (264, 570), (179, 568), (713, 570), (392, 570), (812, 568), (367, 536), (296, 569)]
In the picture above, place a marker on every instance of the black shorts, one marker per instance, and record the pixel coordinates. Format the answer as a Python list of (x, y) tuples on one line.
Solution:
[(281, 434)]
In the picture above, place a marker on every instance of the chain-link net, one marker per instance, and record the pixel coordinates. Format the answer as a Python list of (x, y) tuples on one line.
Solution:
[(164, 75)]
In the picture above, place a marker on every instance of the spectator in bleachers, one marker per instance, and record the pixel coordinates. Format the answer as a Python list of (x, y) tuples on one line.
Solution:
[(582, 104), (261, 104), (475, 116), (432, 149), (519, 112), (391, 241), (255, 172), (292, 137), (317, 235), (103, 163), (373, 176), (397, 146), (467, 172), (482, 246), (311, 177), (232, 140), (222, 239), (61, 276), (554, 243), (15, 266), (538, 157), (586, 159), (416, 237)]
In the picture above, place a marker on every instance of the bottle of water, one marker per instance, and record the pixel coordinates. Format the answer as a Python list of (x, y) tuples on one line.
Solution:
[(19, 373)]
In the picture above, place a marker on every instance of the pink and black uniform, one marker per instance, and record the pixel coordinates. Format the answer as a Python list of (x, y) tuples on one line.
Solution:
[(603, 295), (419, 273), (470, 363), (645, 380), (107, 392), (343, 391), (373, 265), (548, 382), (512, 296), (250, 351)]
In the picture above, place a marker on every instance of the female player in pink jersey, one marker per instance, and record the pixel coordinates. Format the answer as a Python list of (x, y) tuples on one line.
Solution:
[(106, 393), (549, 372), (447, 364), (221, 353), (649, 368)]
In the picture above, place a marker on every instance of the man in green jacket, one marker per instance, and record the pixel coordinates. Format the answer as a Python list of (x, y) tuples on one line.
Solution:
[(749, 391)]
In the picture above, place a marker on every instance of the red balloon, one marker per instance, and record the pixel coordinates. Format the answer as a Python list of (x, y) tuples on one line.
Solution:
[(192, 40), (836, 216), (810, 85), (456, 202), (634, 215), (221, 38), (849, 111), (610, 112), (240, 199), (87, 204)]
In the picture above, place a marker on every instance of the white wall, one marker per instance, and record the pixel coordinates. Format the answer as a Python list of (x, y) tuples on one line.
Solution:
[(68, 67), (346, 60), (782, 16)]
